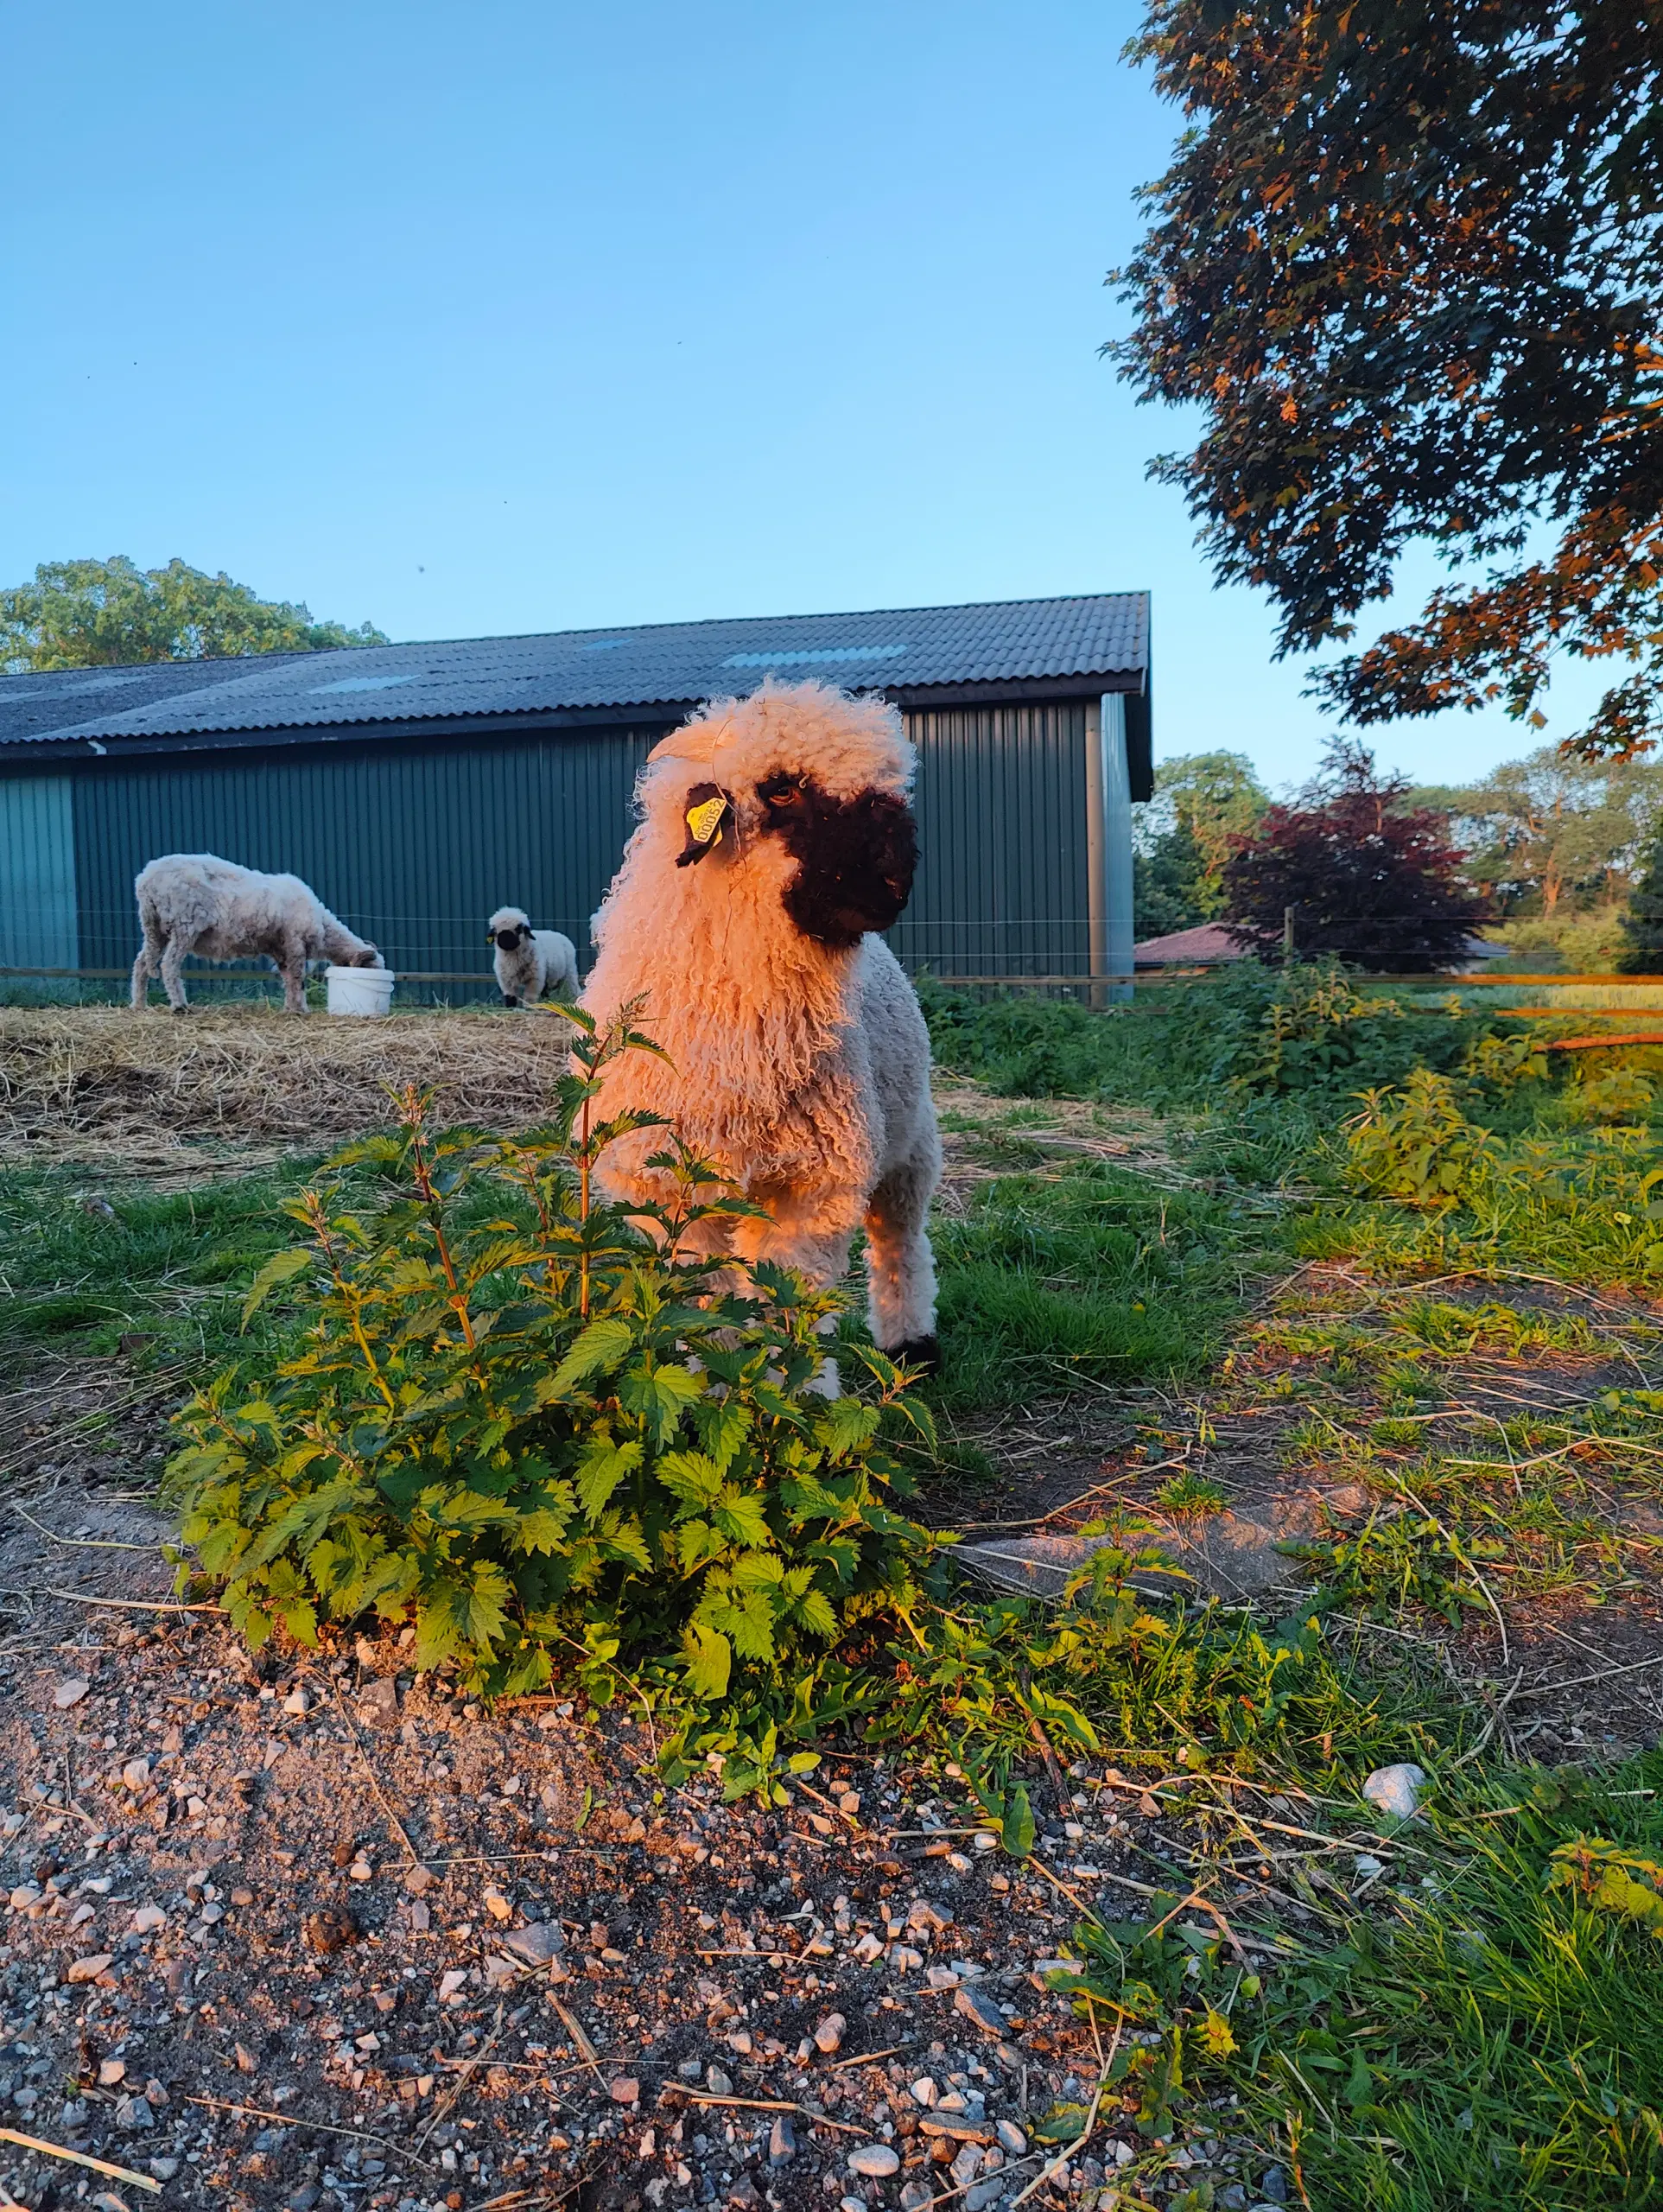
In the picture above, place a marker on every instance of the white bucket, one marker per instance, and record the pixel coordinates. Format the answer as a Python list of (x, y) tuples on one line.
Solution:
[(359, 991)]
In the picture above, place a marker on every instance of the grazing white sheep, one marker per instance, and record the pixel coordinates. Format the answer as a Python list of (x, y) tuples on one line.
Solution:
[(194, 902), (775, 837), (531, 963)]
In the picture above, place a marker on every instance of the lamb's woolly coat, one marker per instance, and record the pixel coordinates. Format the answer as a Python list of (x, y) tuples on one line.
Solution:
[(531, 964), (802, 1068), (196, 903)]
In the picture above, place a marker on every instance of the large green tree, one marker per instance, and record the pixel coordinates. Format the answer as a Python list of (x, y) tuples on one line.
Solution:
[(102, 613), (1551, 834), (1409, 262), (1204, 803)]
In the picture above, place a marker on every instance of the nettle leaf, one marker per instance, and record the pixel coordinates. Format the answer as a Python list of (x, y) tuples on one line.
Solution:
[(708, 1658), (659, 1397), (723, 1424), (603, 1345), (691, 1477), (846, 1425), (603, 1466), (739, 1517), (814, 1610), (697, 1544), (280, 1268), (472, 1509), (543, 1528)]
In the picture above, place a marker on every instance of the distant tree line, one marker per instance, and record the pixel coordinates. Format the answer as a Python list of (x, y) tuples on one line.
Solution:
[(109, 614)]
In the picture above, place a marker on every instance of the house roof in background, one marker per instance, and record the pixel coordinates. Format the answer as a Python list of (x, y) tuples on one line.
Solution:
[(1005, 648)]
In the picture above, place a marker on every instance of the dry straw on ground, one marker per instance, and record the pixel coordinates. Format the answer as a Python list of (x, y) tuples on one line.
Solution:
[(148, 1094)]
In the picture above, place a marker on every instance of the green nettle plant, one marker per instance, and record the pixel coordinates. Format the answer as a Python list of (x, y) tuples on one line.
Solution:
[(552, 1438)]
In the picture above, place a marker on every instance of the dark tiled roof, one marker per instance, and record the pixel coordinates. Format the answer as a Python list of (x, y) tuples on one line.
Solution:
[(665, 665)]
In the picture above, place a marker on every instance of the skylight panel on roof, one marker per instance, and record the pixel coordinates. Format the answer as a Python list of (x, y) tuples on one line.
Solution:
[(360, 683), (818, 655)]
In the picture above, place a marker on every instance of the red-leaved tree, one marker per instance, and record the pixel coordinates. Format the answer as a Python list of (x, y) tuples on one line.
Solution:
[(1351, 870)]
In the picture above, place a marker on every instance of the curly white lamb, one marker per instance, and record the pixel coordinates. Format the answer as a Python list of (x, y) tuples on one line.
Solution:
[(531, 963), (775, 836), (194, 902)]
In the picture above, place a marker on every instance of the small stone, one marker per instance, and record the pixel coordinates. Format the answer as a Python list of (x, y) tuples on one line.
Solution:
[(925, 1918), (418, 1879), (960, 1863), (297, 1705), (89, 1969), (360, 1870), (331, 1929), (452, 1983), (849, 1801), (828, 2036), (240, 1897), (499, 1971), (905, 1959), (875, 2160), (364, 1652), (924, 2091), (985, 1840), (111, 2070), (136, 1773), (246, 2062), (1011, 2137), (377, 1707), (1367, 1865), (981, 2194), (537, 1944), (1396, 1790), (164, 2169), (70, 1692), (966, 2164), (133, 2114), (942, 1978), (689, 2069), (1274, 2184), (782, 2140), (978, 2005), (916, 2197), (626, 2089), (718, 2083), (421, 1918), (498, 1905), (870, 1948), (26, 1894)]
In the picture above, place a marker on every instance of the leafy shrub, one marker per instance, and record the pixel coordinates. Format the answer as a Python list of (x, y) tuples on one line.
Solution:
[(1416, 1144), (538, 1427), (1247, 1031)]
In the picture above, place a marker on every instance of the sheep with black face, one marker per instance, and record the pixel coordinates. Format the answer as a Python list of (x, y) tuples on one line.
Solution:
[(531, 964), (775, 840)]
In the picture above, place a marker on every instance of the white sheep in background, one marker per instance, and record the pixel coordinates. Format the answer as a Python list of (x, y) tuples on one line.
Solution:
[(531, 964), (194, 902), (775, 837)]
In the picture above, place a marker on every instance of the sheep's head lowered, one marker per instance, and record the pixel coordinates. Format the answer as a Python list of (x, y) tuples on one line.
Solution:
[(798, 793)]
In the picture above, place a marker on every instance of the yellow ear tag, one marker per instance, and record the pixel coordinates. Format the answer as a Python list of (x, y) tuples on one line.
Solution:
[(705, 820)]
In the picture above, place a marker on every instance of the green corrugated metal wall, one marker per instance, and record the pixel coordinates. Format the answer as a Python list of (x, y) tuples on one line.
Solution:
[(414, 843), (37, 873), (1002, 828)]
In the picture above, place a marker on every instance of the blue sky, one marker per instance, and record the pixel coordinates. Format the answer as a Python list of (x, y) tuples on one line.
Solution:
[(506, 318)]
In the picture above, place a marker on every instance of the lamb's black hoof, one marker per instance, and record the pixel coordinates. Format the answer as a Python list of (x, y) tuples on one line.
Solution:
[(921, 1352), (181, 1009), (508, 1001)]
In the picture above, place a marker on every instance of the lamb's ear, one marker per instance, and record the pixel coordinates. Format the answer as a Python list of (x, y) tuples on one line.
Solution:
[(705, 814)]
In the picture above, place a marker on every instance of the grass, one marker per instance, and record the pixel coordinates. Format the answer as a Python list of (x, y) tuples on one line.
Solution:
[(1085, 1273), (174, 1267)]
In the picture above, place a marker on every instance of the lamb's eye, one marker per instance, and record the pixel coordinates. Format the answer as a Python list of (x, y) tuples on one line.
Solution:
[(779, 792)]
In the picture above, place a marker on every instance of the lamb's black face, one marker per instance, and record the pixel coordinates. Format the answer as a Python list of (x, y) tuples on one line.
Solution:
[(856, 857), (508, 940)]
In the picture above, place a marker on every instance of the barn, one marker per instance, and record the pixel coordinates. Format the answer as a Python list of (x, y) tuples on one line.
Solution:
[(418, 786)]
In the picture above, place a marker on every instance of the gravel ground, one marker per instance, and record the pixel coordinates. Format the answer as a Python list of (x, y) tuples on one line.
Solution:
[(310, 1932)]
